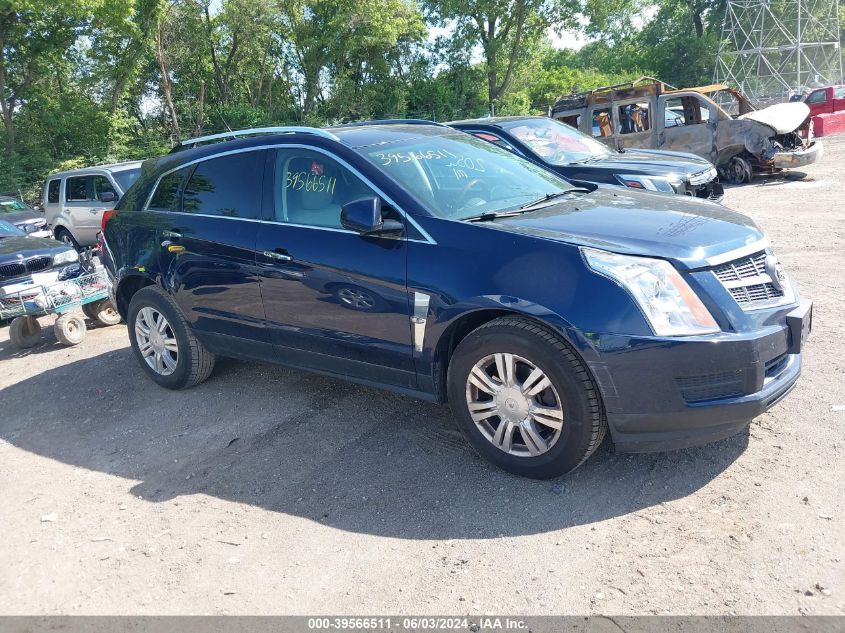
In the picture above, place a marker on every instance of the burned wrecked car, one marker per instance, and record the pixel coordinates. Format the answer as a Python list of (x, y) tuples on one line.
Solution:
[(714, 122)]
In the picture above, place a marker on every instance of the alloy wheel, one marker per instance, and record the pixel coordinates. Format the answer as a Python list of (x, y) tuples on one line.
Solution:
[(514, 405), (156, 341)]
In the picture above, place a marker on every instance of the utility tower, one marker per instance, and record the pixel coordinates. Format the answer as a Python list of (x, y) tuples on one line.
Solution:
[(773, 48)]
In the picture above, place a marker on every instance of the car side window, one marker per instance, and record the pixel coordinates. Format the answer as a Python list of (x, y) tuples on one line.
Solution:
[(167, 194), (688, 110), (53, 191), (228, 186), (311, 188), (77, 189), (819, 96), (634, 117), (602, 122), (101, 186), (839, 94)]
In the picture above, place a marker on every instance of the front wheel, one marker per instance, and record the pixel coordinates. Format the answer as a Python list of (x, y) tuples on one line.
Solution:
[(163, 343), (524, 399)]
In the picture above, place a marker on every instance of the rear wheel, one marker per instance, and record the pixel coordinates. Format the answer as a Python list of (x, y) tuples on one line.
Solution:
[(63, 235), (102, 311), (25, 332), (70, 329), (163, 343), (524, 399)]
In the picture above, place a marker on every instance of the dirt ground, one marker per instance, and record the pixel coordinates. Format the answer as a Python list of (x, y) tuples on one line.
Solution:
[(270, 491)]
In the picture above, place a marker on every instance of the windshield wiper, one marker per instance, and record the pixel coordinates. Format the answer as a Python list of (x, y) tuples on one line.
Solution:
[(492, 215), (528, 206)]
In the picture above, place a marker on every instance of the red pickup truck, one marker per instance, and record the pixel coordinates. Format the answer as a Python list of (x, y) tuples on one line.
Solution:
[(826, 100)]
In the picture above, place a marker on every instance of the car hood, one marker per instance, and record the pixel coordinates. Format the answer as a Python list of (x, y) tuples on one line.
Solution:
[(655, 163), (678, 228), (19, 217), (783, 118), (20, 246)]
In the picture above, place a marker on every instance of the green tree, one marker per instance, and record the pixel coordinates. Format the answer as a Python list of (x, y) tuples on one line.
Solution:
[(502, 29)]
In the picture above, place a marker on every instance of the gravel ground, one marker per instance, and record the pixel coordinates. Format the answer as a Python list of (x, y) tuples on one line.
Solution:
[(270, 491)]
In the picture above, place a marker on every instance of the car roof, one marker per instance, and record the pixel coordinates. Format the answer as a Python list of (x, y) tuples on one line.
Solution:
[(94, 169), (494, 121), (351, 135)]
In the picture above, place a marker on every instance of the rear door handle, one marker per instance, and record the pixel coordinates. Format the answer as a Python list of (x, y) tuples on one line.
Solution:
[(282, 257), (171, 234)]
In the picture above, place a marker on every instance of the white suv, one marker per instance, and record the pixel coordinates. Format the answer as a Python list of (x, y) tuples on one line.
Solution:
[(74, 201)]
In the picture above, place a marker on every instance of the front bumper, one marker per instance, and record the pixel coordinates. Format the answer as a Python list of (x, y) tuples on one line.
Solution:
[(697, 390), (800, 158)]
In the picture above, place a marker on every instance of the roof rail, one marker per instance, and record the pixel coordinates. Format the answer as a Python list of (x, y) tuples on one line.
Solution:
[(390, 122), (257, 130)]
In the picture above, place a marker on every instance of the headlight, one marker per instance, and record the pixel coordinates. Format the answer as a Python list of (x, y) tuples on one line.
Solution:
[(666, 184), (66, 257), (668, 303)]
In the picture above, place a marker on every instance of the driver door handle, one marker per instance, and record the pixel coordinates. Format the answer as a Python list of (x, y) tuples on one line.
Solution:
[(279, 256)]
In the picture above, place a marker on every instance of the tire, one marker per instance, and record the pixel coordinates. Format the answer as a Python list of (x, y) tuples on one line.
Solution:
[(70, 329), (555, 430), (102, 311), (738, 171), (25, 332), (186, 366), (63, 235)]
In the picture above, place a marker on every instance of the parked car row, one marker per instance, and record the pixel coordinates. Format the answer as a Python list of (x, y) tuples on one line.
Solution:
[(462, 268)]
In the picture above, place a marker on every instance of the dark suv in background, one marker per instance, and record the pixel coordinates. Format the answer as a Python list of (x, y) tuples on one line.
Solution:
[(543, 313), (576, 156)]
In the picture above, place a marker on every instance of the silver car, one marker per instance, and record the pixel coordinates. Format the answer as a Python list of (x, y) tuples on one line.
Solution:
[(74, 201)]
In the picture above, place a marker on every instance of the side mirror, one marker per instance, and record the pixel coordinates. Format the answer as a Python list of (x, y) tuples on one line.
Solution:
[(364, 216), (108, 196)]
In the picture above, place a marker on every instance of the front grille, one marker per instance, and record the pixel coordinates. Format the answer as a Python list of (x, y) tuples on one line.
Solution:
[(742, 268), (758, 293), (748, 281), (7, 271), (18, 269), (37, 264), (726, 384)]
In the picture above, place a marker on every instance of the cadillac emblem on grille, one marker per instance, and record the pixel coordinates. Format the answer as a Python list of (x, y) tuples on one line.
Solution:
[(775, 271)]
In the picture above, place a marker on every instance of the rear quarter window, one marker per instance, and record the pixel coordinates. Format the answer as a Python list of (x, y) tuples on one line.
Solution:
[(53, 191), (166, 194), (228, 186)]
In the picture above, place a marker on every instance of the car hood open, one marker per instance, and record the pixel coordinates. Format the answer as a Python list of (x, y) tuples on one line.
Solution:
[(783, 118), (678, 228)]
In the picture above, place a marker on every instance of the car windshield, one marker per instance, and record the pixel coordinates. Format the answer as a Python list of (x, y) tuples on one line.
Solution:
[(13, 206), (459, 176), (556, 143), (7, 229), (126, 177)]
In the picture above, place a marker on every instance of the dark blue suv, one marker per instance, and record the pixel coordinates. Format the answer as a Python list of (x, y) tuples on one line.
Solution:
[(426, 261)]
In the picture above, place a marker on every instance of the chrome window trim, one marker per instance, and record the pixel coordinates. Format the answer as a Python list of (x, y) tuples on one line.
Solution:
[(427, 239), (742, 251)]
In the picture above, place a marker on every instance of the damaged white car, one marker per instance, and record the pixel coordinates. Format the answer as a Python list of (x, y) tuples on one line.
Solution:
[(714, 122)]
